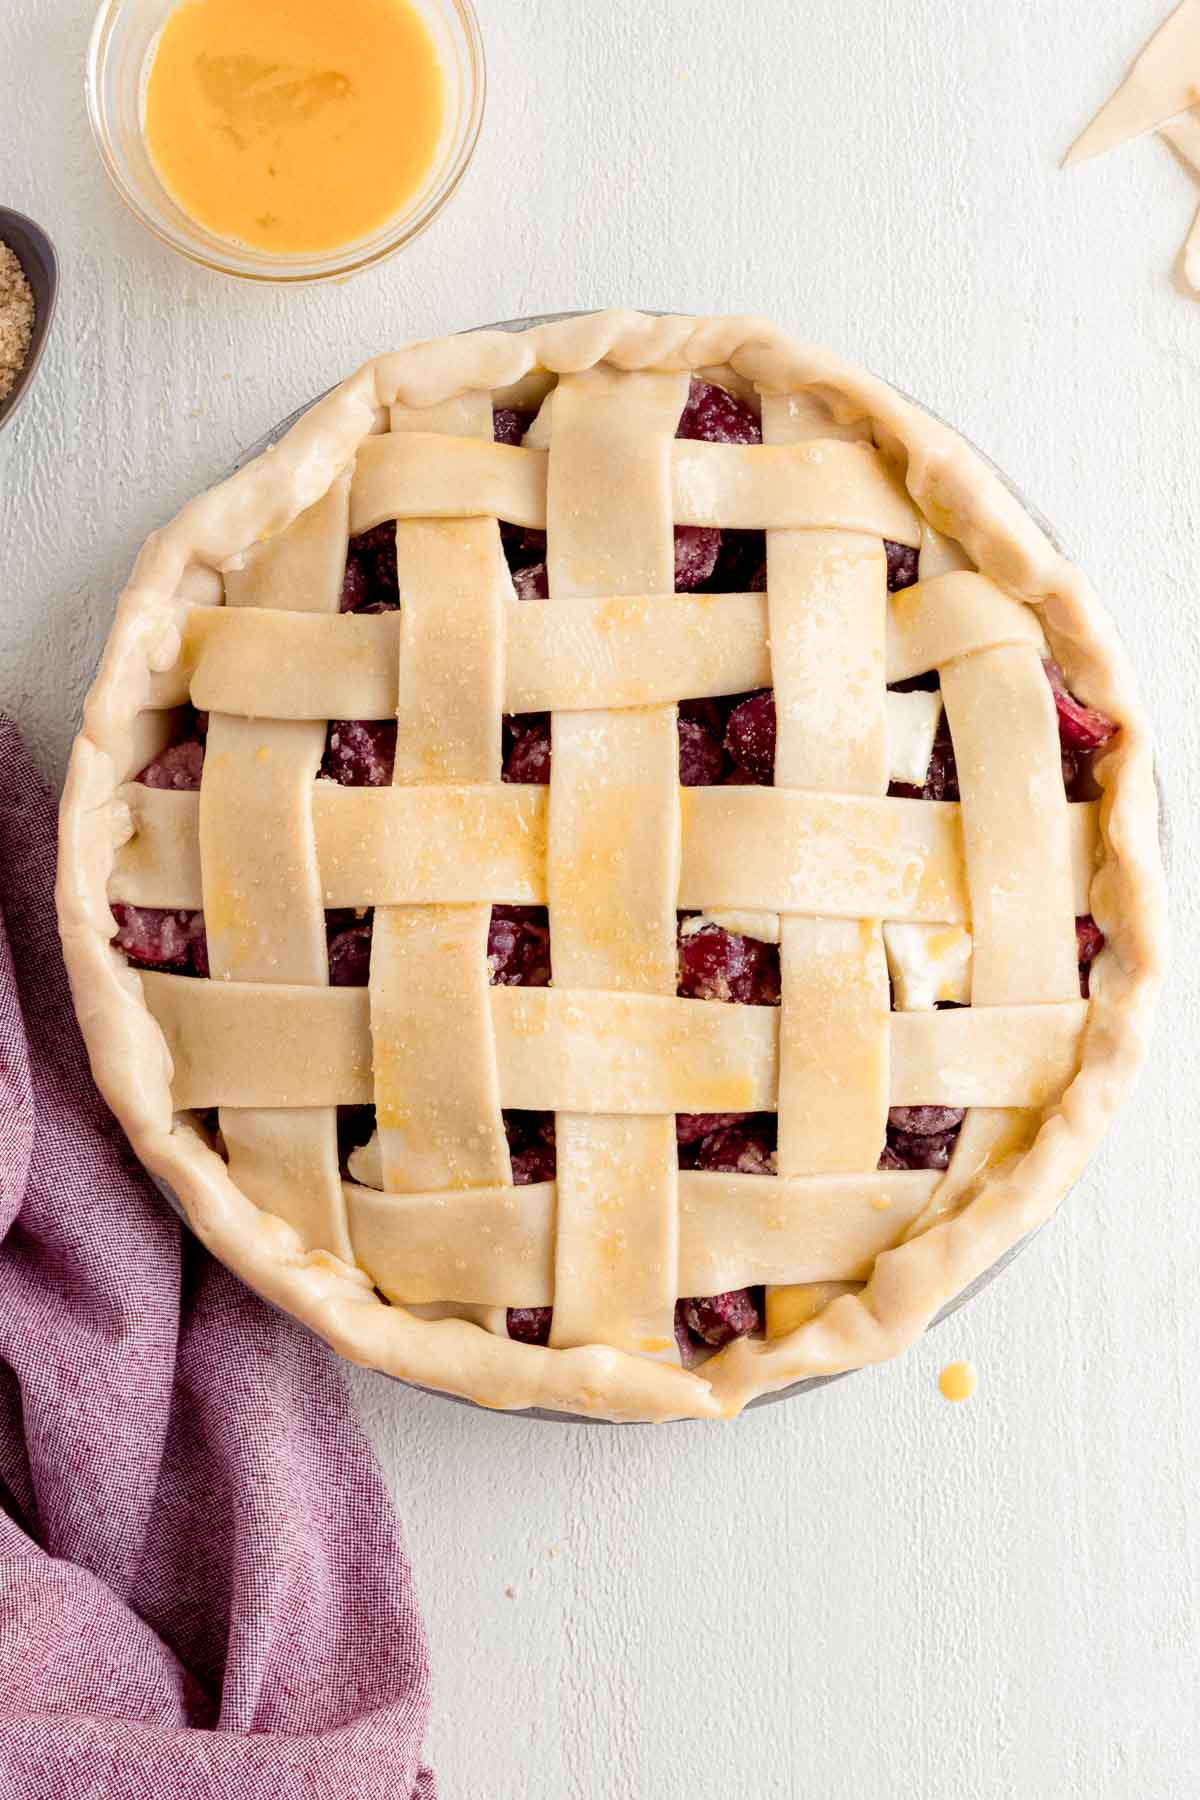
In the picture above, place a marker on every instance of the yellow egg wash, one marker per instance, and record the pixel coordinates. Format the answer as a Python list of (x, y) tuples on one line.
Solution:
[(958, 1381), (293, 126)]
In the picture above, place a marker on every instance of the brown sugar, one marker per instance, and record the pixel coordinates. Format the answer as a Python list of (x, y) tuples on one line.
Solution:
[(16, 319)]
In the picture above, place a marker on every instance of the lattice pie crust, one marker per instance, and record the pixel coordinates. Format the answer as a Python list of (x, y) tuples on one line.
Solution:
[(615, 847)]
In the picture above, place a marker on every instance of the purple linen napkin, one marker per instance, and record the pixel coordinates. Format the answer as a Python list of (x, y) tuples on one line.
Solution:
[(204, 1591)]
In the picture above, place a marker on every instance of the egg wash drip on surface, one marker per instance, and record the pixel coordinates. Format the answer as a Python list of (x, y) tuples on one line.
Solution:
[(294, 126), (958, 1381)]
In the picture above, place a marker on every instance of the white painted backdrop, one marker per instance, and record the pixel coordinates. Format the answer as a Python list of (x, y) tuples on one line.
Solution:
[(866, 1592)]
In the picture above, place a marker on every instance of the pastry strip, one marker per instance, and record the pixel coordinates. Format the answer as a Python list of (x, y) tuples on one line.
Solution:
[(828, 613), (495, 1246), (1161, 83), (263, 912), (841, 856), (613, 859), (989, 1137), (422, 846), (834, 1043), (437, 1096), (844, 486), (1015, 827), (300, 570), (951, 615), (636, 650), (607, 652), (827, 485), (608, 1052), (425, 475)]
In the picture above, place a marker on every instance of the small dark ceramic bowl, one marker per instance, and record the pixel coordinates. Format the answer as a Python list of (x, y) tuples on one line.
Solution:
[(35, 253)]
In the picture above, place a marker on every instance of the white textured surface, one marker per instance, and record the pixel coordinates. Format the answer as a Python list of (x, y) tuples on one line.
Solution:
[(867, 1592)]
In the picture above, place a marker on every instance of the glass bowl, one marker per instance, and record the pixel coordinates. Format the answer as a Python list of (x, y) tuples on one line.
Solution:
[(119, 58)]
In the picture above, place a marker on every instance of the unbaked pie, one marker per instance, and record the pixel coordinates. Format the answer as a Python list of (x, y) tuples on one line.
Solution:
[(614, 869)]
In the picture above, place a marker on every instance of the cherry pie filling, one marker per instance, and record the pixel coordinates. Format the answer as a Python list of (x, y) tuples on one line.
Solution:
[(726, 741)]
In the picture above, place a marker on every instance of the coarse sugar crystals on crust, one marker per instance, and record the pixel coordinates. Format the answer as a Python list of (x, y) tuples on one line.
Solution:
[(538, 1014)]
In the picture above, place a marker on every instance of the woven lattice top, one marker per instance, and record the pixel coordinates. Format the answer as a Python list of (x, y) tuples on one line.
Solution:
[(880, 906)]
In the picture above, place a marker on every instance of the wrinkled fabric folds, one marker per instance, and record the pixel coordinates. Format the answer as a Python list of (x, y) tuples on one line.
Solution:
[(204, 1590)]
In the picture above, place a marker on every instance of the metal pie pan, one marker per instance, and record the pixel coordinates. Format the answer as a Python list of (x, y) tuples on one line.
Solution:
[(812, 1382)]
